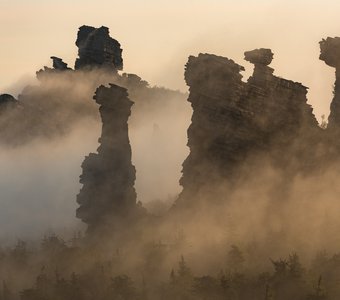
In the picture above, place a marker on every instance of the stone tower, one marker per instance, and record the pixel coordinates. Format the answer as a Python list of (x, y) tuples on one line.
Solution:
[(108, 177)]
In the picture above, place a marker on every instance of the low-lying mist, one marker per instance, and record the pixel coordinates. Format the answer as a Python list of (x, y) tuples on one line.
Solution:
[(47, 140), (39, 177), (232, 228)]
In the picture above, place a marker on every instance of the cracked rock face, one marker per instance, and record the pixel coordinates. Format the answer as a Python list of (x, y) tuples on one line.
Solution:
[(97, 49), (108, 176)]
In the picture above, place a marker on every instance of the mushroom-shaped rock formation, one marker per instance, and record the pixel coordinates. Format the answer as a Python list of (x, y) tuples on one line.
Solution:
[(261, 58)]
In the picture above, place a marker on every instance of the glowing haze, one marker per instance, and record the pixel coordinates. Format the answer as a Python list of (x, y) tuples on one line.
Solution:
[(157, 36)]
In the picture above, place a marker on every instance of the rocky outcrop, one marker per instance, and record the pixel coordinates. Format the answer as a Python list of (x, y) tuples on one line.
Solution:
[(97, 49), (12, 120), (7, 100), (283, 122), (277, 104), (234, 121), (108, 176), (261, 58), (58, 64), (215, 90), (330, 54)]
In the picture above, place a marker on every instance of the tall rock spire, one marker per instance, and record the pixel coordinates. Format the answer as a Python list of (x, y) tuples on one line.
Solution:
[(215, 89), (108, 177)]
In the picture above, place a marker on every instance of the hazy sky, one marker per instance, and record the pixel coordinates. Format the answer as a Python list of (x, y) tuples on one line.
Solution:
[(158, 36)]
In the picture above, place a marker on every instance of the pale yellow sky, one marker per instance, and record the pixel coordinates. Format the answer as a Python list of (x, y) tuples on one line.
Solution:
[(157, 36)]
